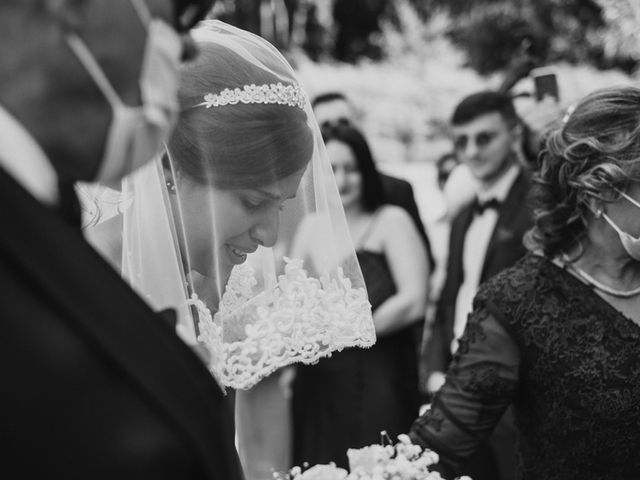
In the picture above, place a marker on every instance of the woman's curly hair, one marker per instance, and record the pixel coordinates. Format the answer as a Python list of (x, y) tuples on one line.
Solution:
[(594, 153)]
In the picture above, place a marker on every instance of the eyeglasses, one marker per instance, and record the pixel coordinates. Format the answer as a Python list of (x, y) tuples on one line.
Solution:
[(481, 140), (189, 12)]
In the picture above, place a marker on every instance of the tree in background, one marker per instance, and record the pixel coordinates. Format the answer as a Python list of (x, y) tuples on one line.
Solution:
[(621, 38), (494, 34), (274, 20), (357, 23)]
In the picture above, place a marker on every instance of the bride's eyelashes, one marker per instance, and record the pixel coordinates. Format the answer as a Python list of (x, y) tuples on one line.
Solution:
[(254, 205)]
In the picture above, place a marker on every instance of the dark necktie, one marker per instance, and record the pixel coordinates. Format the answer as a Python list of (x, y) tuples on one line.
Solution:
[(479, 207)]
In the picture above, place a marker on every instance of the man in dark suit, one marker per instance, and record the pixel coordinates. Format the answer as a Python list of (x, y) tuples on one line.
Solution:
[(95, 384), (335, 107), (485, 238)]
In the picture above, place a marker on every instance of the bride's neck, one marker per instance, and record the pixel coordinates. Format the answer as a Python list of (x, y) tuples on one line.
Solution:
[(205, 287)]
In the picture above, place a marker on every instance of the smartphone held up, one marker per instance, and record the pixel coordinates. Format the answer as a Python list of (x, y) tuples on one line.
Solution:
[(545, 82)]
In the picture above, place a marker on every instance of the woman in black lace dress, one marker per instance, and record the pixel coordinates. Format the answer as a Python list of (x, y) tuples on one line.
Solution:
[(558, 334), (346, 401)]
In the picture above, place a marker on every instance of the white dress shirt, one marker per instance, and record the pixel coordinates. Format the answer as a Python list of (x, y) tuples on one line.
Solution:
[(23, 159), (476, 242)]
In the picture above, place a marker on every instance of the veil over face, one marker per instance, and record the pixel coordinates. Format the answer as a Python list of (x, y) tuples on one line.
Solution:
[(207, 228)]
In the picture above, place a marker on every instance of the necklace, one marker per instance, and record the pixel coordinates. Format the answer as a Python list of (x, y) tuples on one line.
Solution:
[(602, 287)]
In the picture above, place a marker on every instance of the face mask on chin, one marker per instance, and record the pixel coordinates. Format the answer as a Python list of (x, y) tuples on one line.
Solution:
[(137, 133), (629, 243)]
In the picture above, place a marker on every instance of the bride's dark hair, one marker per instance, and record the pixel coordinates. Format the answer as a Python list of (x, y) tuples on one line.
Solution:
[(237, 146)]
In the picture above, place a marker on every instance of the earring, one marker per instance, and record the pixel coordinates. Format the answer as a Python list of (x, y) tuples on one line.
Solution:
[(171, 186), (598, 213)]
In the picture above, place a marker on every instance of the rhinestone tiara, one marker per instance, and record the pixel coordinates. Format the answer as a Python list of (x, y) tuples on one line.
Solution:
[(273, 93)]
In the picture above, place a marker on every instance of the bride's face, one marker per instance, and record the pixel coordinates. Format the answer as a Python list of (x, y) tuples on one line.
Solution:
[(224, 225)]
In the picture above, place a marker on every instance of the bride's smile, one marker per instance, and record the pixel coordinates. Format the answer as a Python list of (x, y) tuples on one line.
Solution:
[(243, 220)]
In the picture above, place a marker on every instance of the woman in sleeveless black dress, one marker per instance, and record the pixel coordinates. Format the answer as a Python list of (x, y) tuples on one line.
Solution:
[(347, 400)]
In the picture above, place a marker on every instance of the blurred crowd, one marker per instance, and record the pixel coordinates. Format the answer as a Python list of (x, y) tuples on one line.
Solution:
[(260, 295), (498, 186)]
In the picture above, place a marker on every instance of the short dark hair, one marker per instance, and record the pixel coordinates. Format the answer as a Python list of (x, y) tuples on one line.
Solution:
[(328, 97), (373, 195), (481, 103)]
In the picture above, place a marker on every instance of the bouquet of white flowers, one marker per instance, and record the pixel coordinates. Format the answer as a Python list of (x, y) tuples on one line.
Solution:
[(402, 461)]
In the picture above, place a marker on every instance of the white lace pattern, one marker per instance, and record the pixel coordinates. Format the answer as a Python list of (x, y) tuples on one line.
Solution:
[(300, 320)]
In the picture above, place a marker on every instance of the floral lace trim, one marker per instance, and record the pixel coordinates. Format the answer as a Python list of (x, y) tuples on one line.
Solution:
[(301, 319)]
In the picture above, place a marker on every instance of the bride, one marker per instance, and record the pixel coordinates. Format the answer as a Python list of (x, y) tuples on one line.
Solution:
[(205, 230)]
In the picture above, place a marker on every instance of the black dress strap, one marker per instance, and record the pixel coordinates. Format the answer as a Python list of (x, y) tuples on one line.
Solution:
[(367, 231)]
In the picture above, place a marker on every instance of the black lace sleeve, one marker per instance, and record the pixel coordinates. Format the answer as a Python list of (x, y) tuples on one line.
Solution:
[(481, 382)]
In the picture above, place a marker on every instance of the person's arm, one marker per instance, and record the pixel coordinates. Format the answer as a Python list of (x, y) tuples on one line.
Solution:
[(407, 259), (480, 384)]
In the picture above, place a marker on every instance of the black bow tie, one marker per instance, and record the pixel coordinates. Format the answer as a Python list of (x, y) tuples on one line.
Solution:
[(479, 207)]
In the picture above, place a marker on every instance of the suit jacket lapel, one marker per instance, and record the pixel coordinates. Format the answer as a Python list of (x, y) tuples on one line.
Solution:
[(508, 212), (455, 270), (102, 308)]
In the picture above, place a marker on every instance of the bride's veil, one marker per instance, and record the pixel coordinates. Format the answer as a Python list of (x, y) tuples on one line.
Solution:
[(207, 228)]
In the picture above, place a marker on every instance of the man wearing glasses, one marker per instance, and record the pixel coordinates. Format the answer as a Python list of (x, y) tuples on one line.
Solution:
[(96, 385), (485, 238)]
